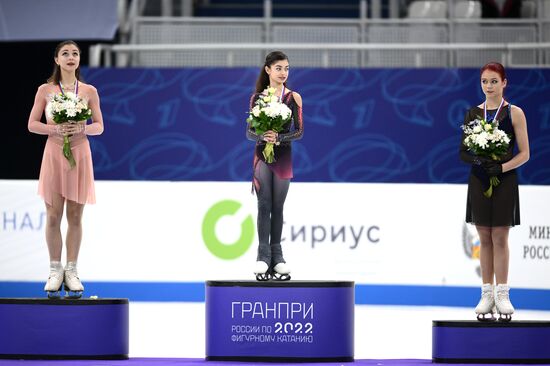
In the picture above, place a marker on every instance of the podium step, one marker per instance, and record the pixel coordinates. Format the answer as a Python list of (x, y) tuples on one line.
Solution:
[(64, 329), (306, 321), (491, 342)]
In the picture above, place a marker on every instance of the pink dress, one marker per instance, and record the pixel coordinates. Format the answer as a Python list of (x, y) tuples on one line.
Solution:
[(56, 176)]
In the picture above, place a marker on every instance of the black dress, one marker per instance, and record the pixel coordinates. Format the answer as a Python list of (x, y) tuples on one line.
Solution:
[(502, 208)]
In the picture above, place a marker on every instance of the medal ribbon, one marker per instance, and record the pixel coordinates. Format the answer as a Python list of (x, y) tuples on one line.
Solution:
[(485, 110), (75, 87)]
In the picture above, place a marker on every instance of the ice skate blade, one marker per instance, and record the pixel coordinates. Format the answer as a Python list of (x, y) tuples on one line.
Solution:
[(54, 294), (262, 277), (483, 318), (505, 318), (281, 276), (72, 294)]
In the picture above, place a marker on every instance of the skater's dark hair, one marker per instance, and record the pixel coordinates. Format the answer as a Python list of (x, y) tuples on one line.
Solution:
[(55, 78), (263, 79), (495, 67)]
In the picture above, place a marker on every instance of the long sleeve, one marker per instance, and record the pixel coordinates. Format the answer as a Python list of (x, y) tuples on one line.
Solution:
[(298, 131), (465, 155), (96, 127), (34, 124), (250, 133), (253, 136)]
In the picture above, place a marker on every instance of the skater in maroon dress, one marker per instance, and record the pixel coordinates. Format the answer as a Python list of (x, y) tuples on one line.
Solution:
[(271, 180)]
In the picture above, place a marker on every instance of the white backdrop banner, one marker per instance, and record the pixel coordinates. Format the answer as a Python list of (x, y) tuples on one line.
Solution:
[(410, 234)]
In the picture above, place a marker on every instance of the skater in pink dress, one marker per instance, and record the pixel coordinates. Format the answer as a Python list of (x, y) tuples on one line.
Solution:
[(65, 188)]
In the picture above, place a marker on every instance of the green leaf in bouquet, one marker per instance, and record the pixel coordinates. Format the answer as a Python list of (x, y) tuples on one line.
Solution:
[(67, 152), (493, 182), (269, 153)]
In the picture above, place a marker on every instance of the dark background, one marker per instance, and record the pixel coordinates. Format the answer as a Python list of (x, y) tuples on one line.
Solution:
[(26, 65)]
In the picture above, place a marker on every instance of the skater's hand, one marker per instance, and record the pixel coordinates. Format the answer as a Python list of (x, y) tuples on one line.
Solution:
[(483, 160), (270, 136), (75, 128), (69, 129), (492, 168)]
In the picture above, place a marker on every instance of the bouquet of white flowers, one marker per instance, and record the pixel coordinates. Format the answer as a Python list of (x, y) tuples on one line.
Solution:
[(68, 108), (485, 139), (269, 113)]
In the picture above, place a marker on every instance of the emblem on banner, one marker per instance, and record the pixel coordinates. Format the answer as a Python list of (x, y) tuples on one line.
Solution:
[(471, 244), (215, 245)]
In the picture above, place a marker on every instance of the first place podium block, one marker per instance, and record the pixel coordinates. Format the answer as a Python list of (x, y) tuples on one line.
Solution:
[(64, 329), (466, 341), (306, 321)]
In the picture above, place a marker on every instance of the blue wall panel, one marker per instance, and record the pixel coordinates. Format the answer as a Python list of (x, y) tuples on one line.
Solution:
[(361, 125)]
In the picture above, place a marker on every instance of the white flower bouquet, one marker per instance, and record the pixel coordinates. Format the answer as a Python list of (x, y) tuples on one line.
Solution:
[(268, 114), (68, 108), (485, 139)]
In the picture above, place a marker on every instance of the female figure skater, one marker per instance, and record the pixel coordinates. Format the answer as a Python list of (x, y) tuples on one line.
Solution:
[(271, 180), (63, 187), (493, 216)]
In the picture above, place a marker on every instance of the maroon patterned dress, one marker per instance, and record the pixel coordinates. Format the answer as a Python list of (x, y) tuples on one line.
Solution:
[(293, 130)]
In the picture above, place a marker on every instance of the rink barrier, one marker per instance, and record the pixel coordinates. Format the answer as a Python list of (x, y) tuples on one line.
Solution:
[(303, 321), (64, 328), (515, 342)]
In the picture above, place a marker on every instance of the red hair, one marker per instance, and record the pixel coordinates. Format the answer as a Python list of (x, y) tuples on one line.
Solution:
[(495, 67)]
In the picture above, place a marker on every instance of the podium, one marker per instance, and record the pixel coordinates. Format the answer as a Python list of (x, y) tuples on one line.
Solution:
[(304, 321), (64, 329), (491, 342)]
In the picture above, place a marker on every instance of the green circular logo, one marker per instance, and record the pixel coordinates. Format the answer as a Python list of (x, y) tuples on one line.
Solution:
[(216, 246)]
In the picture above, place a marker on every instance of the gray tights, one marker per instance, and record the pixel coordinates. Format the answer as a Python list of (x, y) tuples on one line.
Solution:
[(271, 199)]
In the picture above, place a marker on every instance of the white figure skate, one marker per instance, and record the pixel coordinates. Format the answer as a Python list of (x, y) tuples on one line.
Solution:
[(261, 270), (73, 286), (55, 280), (485, 309), (281, 272), (503, 304)]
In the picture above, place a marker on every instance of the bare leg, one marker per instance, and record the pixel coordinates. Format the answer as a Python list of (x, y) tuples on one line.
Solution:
[(501, 253), (74, 230), (486, 254), (54, 214)]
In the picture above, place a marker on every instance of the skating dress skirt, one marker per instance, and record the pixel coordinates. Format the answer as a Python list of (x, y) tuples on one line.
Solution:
[(502, 208), (56, 175)]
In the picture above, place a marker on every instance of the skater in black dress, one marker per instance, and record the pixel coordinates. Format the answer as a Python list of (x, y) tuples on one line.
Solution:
[(493, 216)]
